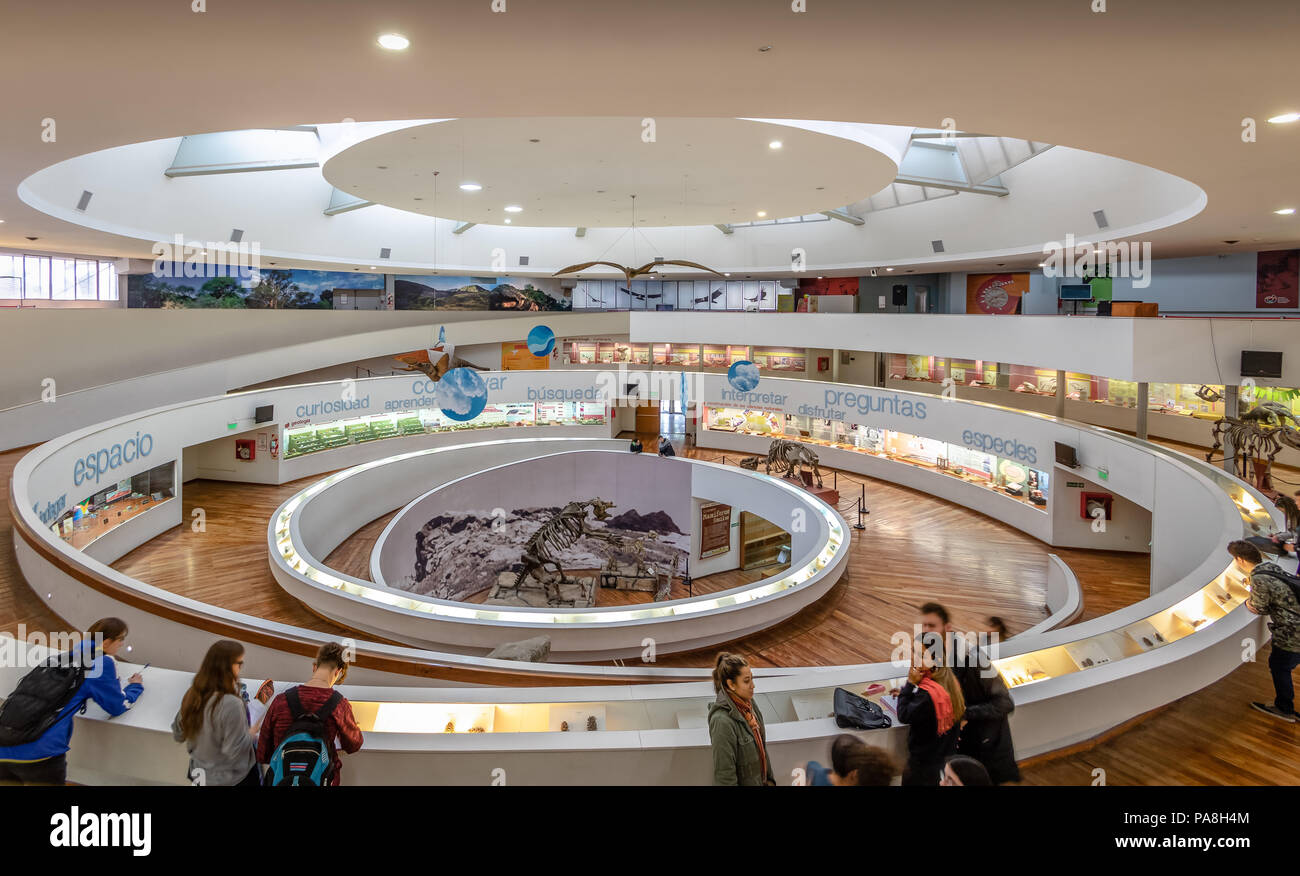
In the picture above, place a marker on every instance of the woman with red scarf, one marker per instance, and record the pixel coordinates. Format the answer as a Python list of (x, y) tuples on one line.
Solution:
[(736, 726), (931, 705)]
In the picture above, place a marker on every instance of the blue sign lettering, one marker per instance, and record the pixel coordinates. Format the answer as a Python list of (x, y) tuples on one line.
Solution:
[(94, 465)]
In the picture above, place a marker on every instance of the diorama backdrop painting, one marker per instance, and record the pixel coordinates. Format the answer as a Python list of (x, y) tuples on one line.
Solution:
[(233, 288), (464, 551), (429, 292)]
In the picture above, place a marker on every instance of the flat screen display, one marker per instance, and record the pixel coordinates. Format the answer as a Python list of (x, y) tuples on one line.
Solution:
[(1260, 363), (1076, 292), (264, 414), (1065, 455)]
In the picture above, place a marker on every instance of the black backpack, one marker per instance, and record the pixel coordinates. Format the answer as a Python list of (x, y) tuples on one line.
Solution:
[(1285, 577), (303, 758), (858, 713), (40, 698)]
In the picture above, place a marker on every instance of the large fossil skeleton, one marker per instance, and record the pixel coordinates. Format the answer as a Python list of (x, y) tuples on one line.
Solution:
[(788, 458), (1256, 438), (563, 530)]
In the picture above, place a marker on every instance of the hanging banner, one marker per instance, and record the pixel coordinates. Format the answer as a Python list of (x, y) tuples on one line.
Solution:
[(715, 530)]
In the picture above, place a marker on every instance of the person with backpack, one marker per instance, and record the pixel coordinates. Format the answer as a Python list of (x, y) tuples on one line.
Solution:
[(215, 721), (307, 724), (1274, 592), (36, 720)]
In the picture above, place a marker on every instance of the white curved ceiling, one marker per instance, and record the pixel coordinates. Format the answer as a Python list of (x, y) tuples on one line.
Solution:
[(598, 172), (1174, 88)]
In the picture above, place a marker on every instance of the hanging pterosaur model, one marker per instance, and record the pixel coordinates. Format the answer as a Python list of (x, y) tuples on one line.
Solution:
[(631, 273)]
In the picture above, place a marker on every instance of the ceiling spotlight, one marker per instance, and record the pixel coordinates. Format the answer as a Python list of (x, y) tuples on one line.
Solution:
[(514, 208), (372, 267), (1285, 211), (2, 222), (726, 273), (888, 269), (762, 213), (470, 187), (394, 42), (775, 144), (1284, 119)]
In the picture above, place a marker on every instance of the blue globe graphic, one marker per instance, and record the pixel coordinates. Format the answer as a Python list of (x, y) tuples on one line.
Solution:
[(541, 341), (743, 376), (461, 394)]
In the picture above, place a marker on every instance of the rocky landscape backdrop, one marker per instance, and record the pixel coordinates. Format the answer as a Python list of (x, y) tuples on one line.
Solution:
[(465, 551)]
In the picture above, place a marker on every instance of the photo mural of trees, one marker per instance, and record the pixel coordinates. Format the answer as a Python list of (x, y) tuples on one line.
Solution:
[(264, 290)]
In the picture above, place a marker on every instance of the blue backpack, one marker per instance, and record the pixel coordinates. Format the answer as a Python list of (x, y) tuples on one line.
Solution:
[(302, 759)]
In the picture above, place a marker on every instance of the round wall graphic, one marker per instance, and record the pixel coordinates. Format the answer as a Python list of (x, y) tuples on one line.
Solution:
[(743, 375), (541, 340), (461, 394)]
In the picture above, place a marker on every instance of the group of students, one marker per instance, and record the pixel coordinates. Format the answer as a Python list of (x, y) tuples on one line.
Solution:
[(230, 736), (954, 704)]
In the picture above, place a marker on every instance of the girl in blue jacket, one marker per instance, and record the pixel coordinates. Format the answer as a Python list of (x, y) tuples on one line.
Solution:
[(44, 761)]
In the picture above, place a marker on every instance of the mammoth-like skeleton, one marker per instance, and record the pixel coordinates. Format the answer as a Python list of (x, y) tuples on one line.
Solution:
[(788, 458), (1256, 437), (563, 530)]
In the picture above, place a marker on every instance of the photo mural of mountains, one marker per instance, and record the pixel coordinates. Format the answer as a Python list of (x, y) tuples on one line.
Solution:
[(427, 292), (257, 289), (462, 553)]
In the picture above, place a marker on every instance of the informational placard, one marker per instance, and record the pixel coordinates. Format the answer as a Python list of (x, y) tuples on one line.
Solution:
[(517, 357), (715, 530)]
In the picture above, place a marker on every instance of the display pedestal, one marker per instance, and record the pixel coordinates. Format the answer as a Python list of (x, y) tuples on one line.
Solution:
[(826, 494), (574, 593)]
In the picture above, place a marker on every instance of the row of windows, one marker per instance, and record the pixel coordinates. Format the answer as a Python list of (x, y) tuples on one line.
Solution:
[(56, 279)]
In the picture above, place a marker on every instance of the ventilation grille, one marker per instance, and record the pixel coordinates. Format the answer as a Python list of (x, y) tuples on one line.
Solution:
[(385, 252), (236, 235), (1100, 217), (936, 245), (84, 201), (523, 261)]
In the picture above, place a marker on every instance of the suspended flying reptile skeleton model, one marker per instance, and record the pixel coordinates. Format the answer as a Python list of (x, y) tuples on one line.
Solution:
[(631, 273), (1256, 438)]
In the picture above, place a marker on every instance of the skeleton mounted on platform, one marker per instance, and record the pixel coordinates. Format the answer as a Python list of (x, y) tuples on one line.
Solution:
[(559, 533), (1256, 437), (789, 459)]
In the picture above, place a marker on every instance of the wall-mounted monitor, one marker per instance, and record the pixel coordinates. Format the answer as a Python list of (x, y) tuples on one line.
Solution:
[(1076, 292), (1066, 455), (264, 414), (1260, 363)]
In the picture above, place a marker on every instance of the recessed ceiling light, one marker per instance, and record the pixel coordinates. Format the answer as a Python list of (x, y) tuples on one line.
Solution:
[(765, 48), (775, 144), (1285, 119), (726, 273), (762, 213), (470, 187), (533, 140), (394, 42), (372, 267), (1285, 211), (2, 222), (888, 269), (514, 208), (1042, 264)]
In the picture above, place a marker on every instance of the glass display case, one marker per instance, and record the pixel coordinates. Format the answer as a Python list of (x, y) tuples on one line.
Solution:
[(723, 355), (781, 358), (1212, 602), (115, 504), (686, 355), (358, 430), (1005, 476)]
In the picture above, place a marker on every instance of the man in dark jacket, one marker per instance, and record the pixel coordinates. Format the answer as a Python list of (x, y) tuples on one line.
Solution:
[(986, 730), (1272, 596)]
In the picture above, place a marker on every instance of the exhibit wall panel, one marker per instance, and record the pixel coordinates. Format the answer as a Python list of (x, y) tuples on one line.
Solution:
[(723, 562), (1128, 529), (1179, 520)]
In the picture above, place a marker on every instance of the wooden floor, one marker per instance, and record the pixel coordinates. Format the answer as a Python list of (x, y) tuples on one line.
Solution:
[(915, 548)]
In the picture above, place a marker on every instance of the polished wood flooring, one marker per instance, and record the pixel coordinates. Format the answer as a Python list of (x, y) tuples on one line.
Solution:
[(915, 548)]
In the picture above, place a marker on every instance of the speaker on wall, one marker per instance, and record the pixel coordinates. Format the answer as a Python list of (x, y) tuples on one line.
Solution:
[(900, 296)]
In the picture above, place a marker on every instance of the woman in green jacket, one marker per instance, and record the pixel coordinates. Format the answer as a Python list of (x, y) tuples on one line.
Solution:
[(736, 727)]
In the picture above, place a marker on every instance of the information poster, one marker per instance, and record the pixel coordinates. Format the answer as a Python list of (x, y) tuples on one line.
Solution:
[(715, 530), (1277, 278), (517, 357)]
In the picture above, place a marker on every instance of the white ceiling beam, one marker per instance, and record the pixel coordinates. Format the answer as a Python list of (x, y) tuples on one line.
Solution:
[(462, 227), (844, 217), (725, 229), (953, 186), (342, 202)]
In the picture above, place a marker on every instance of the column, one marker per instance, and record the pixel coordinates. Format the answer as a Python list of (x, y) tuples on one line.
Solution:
[(1231, 408), (1142, 411), (1060, 394), (835, 366)]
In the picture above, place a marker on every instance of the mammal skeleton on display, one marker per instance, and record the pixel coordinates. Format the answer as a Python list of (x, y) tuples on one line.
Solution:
[(1256, 438), (563, 530), (788, 458)]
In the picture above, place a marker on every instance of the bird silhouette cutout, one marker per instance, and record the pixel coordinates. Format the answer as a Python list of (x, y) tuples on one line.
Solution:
[(630, 273)]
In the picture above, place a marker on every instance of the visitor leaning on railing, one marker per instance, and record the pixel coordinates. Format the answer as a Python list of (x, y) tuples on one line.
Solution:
[(36, 720), (218, 723)]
